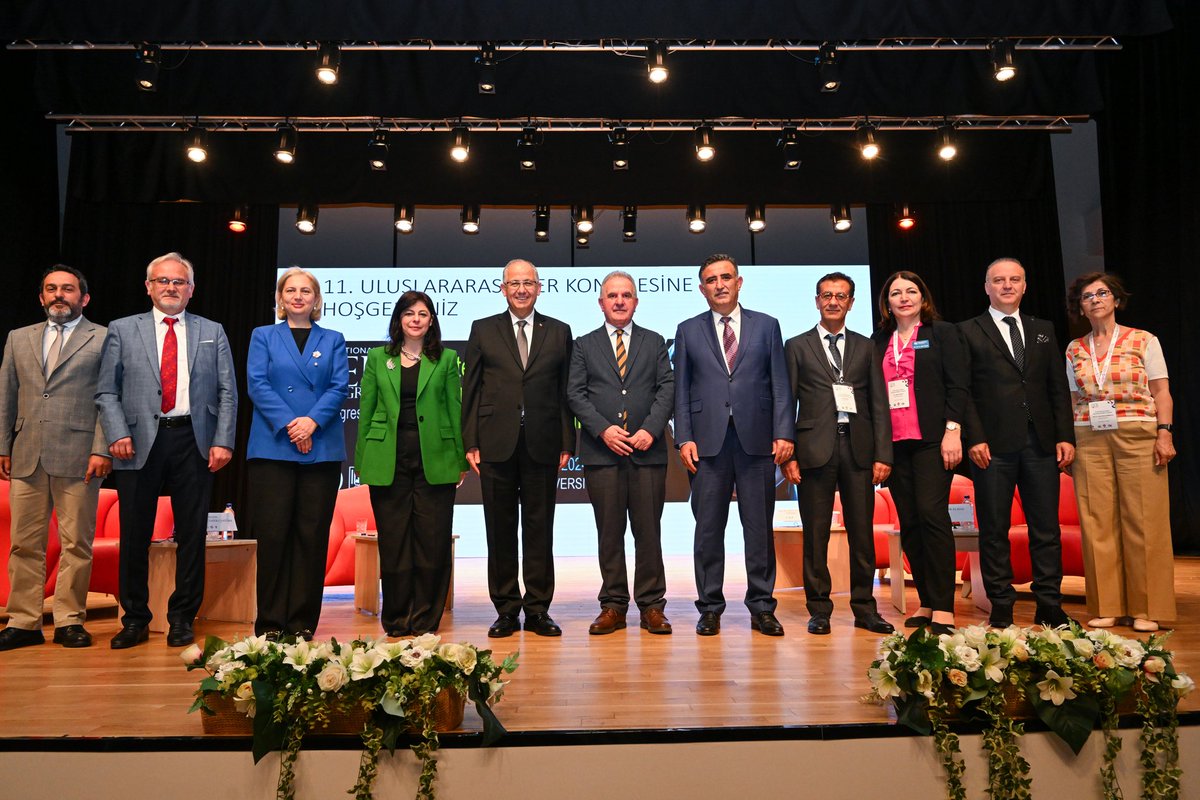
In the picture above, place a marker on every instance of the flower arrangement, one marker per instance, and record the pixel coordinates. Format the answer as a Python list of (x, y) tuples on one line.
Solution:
[(293, 686), (1072, 678)]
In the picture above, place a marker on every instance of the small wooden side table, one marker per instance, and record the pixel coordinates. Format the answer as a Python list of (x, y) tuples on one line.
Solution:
[(366, 573), (230, 573)]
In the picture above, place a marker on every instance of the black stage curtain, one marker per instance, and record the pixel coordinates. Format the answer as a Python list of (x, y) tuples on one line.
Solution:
[(1149, 178), (235, 273)]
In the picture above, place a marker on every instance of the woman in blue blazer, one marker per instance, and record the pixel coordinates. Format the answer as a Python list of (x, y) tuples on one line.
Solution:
[(298, 378), (410, 452)]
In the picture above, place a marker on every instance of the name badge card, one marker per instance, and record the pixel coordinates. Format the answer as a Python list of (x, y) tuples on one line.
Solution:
[(843, 398), (1103, 415), (898, 393)]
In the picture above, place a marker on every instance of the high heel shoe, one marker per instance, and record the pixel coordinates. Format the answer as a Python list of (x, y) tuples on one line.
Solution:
[(1142, 625), (1102, 622)]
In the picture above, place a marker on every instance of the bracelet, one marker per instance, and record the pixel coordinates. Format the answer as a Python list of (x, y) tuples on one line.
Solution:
[(1166, 426)]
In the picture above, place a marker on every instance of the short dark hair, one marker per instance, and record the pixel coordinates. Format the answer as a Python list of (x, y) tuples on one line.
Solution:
[(83, 287), (836, 276), (433, 336), (1075, 290), (929, 311), (714, 258)]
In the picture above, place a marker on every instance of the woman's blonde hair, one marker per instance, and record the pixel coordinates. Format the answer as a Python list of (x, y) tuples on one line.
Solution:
[(318, 302)]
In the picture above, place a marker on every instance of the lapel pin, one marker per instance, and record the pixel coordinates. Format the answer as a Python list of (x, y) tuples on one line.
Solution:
[(316, 353), (391, 364)]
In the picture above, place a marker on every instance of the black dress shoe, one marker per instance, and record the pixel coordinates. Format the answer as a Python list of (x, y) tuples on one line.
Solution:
[(1051, 617), (272, 636), (11, 638), (180, 635), (505, 625), (72, 636), (939, 628), (917, 621), (873, 623), (1001, 616), (818, 624), (765, 623), (303, 633), (542, 625), (129, 636), (709, 624)]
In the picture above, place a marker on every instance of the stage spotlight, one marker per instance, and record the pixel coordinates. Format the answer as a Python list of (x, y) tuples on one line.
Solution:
[(582, 240), (584, 219), (306, 219), (240, 220), (404, 218), (470, 219), (840, 215), (756, 217), (527, 146), (705, 150), (619, 139), (377, 150), (906, 221), (328, 63), (866, 141), (829, 68), (285, 151), (947, 150), (656, 62), (1000, 52), (460, 151), (789, 141), (629, 223), (541, 224), (197, 149), (149, 57), (695, 219), (486, 59)]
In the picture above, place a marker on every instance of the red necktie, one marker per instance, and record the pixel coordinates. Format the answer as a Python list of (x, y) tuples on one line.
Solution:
[(730, 343), (169, 369)]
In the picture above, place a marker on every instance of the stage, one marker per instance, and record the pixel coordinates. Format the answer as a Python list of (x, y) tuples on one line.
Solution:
[(588, 716)]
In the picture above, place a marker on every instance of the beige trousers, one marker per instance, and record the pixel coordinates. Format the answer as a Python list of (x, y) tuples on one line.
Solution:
[(1125, 512), (31, 501)]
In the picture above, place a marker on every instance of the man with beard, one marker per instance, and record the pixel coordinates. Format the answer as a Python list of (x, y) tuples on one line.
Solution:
[(53, 451)]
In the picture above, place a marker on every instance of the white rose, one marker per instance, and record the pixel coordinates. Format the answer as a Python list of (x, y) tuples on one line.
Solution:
[(1083, 647), (427, 641), (1104, 660), (461, 656), (957, 677), (333, 677), (192, 654), (925, 683), (1154, 664), (243, 700), (968, 656), (1182, 684)]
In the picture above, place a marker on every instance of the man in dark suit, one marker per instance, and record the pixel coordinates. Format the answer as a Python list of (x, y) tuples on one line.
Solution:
[(732, 426), (622, 390), (519, 433), (167, 398), (1019, 434), (53, 451), (843, 444)]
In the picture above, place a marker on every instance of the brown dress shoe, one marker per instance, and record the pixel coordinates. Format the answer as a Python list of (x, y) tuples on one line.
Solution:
[(610, 620), (655, 621)]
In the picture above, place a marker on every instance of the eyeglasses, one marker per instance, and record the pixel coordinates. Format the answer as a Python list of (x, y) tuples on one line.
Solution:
[(526, 284), (1100, 294), (165, 282), (825, 297)]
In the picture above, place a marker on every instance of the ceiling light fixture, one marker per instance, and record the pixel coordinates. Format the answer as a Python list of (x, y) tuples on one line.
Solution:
[(541, 224), (306, 219), (705, 149), (947, 149), (829, 68), (756, 217), (629, 223), (527, 146), (470, 219), (487, 68), (329, 61), (905, 221), (656, 62), (377, 150), (460, 151), (866, 141), (240, 220), (789, 142), (584, 219), (618, 137), (840, 216), (1000, 53), (146, 74), (285, 151), (197, 148), (404, 217), (695, 219)]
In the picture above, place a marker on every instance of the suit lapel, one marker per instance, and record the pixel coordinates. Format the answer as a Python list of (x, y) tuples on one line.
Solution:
[(145, 326), (286, 342), (193, 341), (506, 333), (79, 337), (817, 345), (535, 346), (988, 325), (424, 373), (849, 350), (633, 346), (37, 335), (749, 326)]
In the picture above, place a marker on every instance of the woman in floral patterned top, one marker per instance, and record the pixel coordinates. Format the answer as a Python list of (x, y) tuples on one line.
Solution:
[(1123, 413)]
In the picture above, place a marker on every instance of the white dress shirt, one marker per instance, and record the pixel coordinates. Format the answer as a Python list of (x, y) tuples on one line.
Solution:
[(48, 335), (735, 322), (183, 404), (998, 317)]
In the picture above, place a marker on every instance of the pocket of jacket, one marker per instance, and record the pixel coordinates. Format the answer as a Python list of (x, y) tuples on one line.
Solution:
[(485, 411), (695, 406), (376, 433)]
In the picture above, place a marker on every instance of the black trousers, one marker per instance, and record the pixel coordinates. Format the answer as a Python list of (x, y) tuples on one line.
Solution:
[(621, 494), (817, 487), (1035, 473), (174, 467), (415, 520), (524, 485), (293, 506), (920, 486)]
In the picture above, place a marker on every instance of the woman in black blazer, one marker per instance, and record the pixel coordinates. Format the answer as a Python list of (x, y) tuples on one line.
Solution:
[(925, 366)]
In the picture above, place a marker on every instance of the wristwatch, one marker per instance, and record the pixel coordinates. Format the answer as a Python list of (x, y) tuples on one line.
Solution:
[(952, 426), (1166, 426)]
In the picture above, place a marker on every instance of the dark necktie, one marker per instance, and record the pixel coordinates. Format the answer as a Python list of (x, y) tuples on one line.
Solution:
[(834, 353), (55, 351), (1018, 345), (169, 369), (522, 343), (730, 343)]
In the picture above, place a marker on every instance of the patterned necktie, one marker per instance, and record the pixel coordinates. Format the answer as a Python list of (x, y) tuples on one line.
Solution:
[(169, 369), (55, 351), (522, 343), (622, 356), (1018, 344), (730, 343), (834, 353)]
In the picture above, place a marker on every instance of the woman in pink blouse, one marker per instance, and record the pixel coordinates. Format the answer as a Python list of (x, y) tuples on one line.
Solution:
[(1123, 413), (925, 368)]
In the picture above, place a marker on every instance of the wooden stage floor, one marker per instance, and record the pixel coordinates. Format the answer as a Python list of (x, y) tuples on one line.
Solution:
[(627, 681)]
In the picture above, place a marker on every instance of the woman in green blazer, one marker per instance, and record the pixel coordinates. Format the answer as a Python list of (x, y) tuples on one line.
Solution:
[(410, 452)]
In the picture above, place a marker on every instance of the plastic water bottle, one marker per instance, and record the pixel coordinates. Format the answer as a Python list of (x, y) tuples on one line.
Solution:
[(967, 502), (227, 532)]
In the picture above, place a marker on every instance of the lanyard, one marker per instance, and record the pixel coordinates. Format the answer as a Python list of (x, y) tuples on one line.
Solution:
[(897, 349), (1101, 374)]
